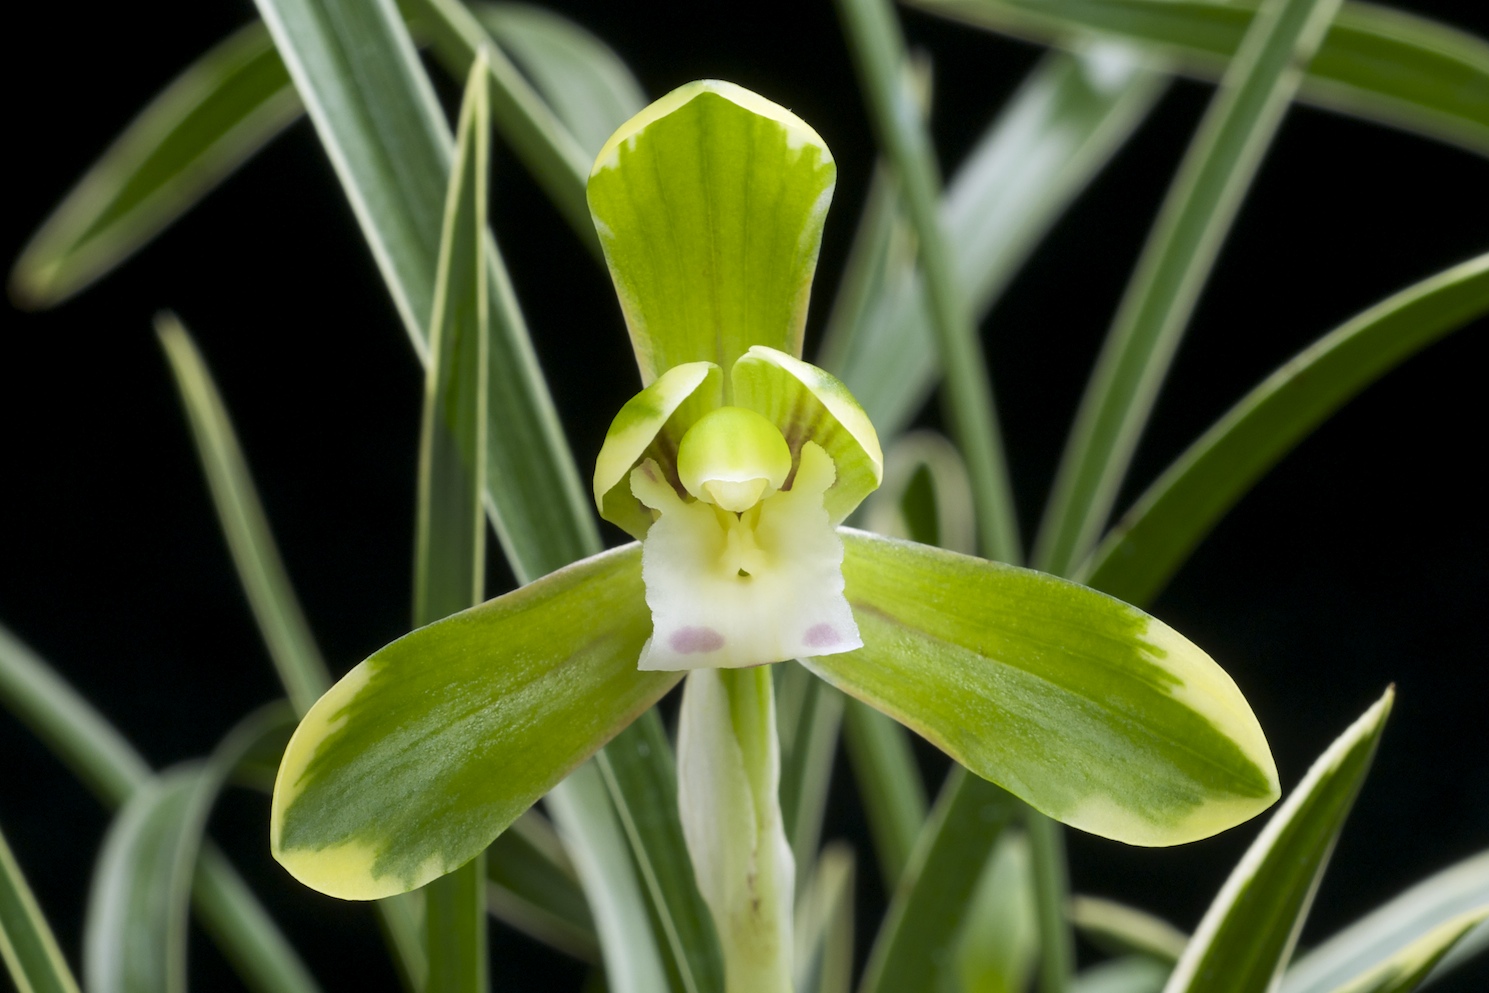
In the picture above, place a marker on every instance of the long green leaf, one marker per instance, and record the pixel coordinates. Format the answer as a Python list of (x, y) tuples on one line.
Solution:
[(109, 765), (823, 959), (644, 792), (879, 55), (1377, 63), (276, 609), (1120, 928), (588, 824), (232, 101), (373, 108), (1395, 926), (27, 945), (1087, 708), (1410, 966), (209, 120), (880, 253), (589, 88), (1247, 936), (551, 153), (76, 733), (534, 888), (1067, 119), (450, 524), (134, 937), (1181, 248), (1132, 974), (292, 647), (915, 949), (811, 716), (1152, 539), (889, 784), (997, 946), (641, 775), (375, 111)]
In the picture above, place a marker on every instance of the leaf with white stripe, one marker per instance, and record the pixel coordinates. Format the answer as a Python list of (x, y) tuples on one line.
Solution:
[(1248, 934), (27, 945), (134, 937), (1397, 924)]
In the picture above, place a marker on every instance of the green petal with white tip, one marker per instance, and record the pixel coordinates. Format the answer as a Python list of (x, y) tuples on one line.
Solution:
[(807, 403), (709, 205), (651, 426), (1087, 708), (420, 756)]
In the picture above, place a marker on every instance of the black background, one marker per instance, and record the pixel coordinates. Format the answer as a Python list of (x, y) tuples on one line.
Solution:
[(1358, 562)]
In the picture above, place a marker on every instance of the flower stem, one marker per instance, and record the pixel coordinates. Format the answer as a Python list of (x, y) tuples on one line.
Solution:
[(728, 786)]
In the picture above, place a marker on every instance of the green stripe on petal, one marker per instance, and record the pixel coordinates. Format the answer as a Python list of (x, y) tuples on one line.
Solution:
[(1087, 708), (651, 425), (807, 403), (420, 756), (709, 205)]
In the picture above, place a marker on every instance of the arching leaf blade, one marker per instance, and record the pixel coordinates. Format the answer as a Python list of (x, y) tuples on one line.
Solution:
[(889, 782), (535, 889), (1151, 541), (1377, 63), (590, 827), (587, 85), (1127, 930), (1248, 934), (134, 938), (641, 774), (27, 945), (1409, 967), (915, 949), (260, 569), (212, 118), (1436, 901), (1068, 118), (1181, 248), (109, 765), (522, 117), (450, 520)]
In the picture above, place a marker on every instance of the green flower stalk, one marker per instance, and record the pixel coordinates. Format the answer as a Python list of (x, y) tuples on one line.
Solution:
[(735, 467)]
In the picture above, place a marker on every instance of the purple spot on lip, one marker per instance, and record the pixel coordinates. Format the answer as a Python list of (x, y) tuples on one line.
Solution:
[(821, 636), (689, 641)]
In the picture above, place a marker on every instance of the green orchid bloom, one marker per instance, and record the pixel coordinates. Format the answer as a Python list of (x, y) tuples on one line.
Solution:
[(740, 554), (735, 467)]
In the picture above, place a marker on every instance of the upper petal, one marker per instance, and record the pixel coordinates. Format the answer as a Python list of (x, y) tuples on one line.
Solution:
[(808, 403), (651, 425), (709, 205)]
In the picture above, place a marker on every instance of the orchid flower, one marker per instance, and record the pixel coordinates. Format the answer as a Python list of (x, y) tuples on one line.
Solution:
[(735, 467)]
